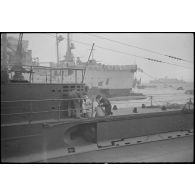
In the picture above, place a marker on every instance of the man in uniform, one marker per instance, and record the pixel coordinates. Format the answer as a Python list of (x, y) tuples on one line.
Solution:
[(104, 104), (86, 106), (75, 103)]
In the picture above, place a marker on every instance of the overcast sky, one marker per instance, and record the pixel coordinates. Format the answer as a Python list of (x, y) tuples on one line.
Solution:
[(174, 44)]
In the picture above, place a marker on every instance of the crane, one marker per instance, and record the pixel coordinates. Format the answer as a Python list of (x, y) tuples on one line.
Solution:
[(18, 66), (18, 54)]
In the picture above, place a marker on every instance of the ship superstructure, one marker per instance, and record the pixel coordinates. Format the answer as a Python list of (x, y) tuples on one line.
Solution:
[(111, 80)]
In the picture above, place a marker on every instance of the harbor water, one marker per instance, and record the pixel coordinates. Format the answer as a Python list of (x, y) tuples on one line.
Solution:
[(160, 96)]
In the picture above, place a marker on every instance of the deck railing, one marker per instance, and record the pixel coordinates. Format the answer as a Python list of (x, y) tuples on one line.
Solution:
[(43, 74), (59, 106), (71, 111)]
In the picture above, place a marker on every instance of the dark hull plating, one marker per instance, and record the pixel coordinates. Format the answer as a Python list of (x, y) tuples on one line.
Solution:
[(40, 138)]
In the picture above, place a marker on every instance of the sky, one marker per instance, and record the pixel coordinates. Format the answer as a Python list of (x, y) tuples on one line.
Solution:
[(174, 44)]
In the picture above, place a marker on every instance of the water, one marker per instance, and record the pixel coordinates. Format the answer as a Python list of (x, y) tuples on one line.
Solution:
[(160, 96)]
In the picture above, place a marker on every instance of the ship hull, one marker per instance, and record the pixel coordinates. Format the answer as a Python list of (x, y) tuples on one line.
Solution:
[(115, 94), (108, 81)]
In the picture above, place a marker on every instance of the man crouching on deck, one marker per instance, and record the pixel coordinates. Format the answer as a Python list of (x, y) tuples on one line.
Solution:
[(104, 104)]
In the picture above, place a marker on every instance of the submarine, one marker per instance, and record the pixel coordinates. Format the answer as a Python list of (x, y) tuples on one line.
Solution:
[(36, 125)]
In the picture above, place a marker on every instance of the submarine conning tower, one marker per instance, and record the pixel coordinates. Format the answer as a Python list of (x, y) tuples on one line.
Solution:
[(29, 101), (31, 93)]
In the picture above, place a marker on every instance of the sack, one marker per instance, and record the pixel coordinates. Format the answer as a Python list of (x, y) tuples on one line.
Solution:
[(99, 112)]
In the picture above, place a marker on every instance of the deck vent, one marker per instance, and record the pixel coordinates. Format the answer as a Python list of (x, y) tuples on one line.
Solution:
[(163, 108), (134, 110)]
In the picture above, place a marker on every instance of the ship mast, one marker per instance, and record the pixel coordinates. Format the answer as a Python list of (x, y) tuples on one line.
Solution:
[(87, 62), (69, 59), (68, 42), (17, 68), (57, 49), (58, 40)]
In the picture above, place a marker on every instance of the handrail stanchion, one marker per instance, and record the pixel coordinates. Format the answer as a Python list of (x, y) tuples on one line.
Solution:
[(92, 107), (75, 76), (50, 76), (46, 77), (62, 76), (59, 108), (32, 77), (30, 113), (151, 101)]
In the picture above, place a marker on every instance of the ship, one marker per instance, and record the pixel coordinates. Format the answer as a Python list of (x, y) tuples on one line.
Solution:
[(111, 81), (171, 83), (107, 80), (36, 125), (140, 85)]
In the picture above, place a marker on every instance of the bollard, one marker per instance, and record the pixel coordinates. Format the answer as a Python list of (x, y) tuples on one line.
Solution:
[(134, 110), (151, 101), (163, 108)]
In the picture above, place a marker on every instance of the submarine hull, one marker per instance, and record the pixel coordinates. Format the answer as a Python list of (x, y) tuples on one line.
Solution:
[(45, 140)]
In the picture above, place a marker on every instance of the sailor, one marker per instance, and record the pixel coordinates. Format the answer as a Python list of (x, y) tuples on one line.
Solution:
[(75, 104), (86, 106), (104, 104)]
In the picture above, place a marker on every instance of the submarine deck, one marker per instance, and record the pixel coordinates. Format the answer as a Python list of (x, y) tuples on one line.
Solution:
[(173, 150)]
